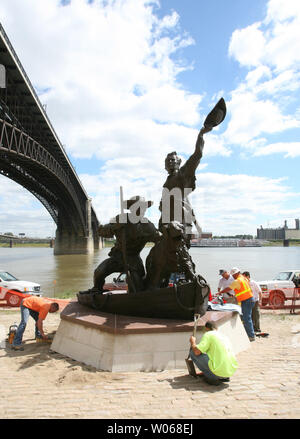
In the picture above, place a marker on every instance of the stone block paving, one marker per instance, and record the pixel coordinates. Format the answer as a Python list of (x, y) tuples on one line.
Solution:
[(39, 383)]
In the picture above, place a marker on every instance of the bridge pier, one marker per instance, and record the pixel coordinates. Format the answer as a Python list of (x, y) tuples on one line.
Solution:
[(67, 243), (70, 244), (98, 243)]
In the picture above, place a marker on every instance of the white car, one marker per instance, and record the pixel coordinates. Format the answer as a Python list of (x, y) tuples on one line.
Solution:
[(285, 286), (10, 284)]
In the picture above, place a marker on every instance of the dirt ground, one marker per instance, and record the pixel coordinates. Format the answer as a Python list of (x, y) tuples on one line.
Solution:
[(39, 383)]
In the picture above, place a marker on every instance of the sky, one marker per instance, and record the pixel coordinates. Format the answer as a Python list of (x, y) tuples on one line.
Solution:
[(127, 81)]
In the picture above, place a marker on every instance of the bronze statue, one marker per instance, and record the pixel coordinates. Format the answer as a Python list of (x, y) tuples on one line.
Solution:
[(170, 254), (175, 205), (132, 231)]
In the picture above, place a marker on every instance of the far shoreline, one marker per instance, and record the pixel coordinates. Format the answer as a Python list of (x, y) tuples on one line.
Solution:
[(111, 244)]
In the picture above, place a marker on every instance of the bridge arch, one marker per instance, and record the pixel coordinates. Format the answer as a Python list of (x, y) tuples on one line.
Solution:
[(32, 155), (28, 163)]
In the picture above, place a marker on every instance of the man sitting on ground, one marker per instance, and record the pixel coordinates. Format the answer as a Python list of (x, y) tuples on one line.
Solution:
[(213, 355), (37, 308)]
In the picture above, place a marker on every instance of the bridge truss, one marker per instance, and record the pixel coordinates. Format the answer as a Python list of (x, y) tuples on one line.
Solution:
[(32, 155)]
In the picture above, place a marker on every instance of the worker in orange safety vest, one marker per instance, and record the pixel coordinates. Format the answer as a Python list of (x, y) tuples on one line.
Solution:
[(244, 296)]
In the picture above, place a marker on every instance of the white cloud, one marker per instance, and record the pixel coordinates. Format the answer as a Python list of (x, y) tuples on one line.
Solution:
[(265, 101), (253, 117), (247, 45), (274, 41), (238, 201), (254, 76), (221, 201), (287, 81), (108, 75), (289, 149), (21, 212), (234, 203), (103, 69), (280, 10), (283, 47)]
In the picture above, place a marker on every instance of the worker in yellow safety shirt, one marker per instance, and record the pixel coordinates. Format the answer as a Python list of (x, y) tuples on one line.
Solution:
[(214, 355), (244, 296)]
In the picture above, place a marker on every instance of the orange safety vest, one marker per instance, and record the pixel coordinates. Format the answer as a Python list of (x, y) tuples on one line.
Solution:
[(244, 292)]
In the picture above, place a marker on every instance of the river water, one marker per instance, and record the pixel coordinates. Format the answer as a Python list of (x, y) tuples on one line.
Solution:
[(71, 273)]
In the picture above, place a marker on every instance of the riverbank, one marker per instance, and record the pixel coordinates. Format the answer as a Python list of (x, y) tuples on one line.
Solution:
[(38, 383), (109, 244), (7, 245), (279, 243)]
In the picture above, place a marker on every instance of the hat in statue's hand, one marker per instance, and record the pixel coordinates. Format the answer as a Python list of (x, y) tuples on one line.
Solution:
[(217, 115)]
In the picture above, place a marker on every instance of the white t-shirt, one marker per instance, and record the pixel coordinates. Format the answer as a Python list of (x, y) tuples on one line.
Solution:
[(255, 288), (224, 283)]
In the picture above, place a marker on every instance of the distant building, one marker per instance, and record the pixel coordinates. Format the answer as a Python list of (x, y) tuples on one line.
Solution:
[(283, 233), (204, 235)]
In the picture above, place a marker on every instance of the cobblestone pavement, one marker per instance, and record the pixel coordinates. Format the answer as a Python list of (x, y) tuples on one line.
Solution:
[(39, 383)]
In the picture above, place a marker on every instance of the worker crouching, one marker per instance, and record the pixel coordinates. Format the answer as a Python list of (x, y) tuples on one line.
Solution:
[(213, 355)]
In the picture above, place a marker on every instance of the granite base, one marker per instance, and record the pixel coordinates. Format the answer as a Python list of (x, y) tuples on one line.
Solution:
[(118, 343)]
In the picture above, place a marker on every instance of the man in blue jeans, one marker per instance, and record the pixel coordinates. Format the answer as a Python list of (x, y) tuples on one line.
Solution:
[(213, 355), (37, 308)]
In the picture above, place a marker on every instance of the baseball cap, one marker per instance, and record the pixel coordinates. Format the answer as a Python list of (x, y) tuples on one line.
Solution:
[(235, 270)]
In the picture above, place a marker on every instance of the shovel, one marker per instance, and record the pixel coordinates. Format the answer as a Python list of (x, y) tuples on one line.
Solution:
[(189, 362)]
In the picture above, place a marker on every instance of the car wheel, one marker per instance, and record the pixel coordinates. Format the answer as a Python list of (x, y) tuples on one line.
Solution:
[(277, 299), (13, 299)]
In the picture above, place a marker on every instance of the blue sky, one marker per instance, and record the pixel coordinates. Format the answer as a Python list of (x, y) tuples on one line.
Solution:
[(127, 81)]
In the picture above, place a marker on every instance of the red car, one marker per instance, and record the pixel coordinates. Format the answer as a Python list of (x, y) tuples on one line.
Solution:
[(12, 297), (118, 283)]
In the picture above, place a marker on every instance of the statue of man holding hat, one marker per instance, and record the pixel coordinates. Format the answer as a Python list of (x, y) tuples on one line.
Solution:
[(175, 205)]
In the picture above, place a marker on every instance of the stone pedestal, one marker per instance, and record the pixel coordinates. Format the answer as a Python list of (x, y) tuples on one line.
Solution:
[(121, 344)]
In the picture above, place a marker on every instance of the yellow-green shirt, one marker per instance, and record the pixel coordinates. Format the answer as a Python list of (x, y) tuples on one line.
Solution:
[(222, 361)]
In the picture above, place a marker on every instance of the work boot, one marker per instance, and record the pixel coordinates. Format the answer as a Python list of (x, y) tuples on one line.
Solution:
[(42, 340), (17, 348), (211, 382)]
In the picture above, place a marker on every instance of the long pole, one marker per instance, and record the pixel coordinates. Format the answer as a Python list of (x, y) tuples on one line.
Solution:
[(121, 200), (131, 287)]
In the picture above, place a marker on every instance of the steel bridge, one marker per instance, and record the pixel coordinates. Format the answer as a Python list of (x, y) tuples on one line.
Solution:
[(32, 155)]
